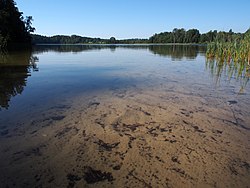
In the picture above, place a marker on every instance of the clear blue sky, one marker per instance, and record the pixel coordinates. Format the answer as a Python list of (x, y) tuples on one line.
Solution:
[(134, 18)]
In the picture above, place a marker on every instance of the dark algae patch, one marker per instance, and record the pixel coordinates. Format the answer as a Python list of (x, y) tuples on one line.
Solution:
[(106, 146), (232, 102), (117, 167), (72, 177), (57, 118), (92, 176), (175, 160), (94, 104), (72, 180), (4, 132)]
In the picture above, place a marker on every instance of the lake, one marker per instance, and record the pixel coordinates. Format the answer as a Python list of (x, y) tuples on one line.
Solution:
[(122, 116)]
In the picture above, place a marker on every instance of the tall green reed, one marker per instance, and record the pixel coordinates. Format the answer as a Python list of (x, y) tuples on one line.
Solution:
[(231, 57)]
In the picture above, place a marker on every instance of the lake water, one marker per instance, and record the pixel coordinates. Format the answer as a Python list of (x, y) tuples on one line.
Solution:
[(122, 116)]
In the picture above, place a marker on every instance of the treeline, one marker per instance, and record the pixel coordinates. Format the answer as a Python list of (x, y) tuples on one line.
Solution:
[(176, 36), (75, 39), (194, 36), (14, 28), (63, 39)]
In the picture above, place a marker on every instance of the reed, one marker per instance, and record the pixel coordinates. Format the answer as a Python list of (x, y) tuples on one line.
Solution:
[(237, 51), (232, 58)]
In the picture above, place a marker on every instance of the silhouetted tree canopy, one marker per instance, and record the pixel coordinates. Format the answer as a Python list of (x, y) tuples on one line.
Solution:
[(14, 28), (112, 40)]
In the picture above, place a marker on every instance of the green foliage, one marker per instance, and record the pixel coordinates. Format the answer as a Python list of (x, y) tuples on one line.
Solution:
[(194, 36), (28, 24), (179, 35), (13, 27), (62, 39), (112, 40), (75, 39), (176, 36), (133, 41)]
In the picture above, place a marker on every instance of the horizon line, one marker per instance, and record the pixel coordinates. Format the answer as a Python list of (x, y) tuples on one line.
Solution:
[(133, 37)]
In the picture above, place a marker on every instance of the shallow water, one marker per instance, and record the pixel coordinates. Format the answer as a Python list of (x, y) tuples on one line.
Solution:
[(122, 115)]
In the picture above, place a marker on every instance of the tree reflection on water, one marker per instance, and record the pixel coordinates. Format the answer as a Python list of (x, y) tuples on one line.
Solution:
[(15, 68)]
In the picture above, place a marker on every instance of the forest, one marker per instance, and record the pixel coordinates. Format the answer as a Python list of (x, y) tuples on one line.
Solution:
[(179, 36), (194, 36), (75, 39)]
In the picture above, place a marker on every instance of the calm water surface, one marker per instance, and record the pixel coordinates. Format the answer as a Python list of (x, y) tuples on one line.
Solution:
[(43, 90), (50, 74)]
